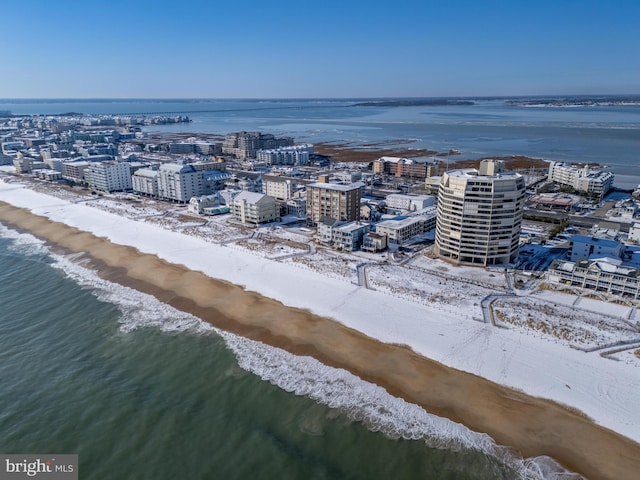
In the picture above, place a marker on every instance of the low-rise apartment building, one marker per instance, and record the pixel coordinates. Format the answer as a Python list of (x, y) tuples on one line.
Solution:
[(291, 155), (592, 181), (349, 235), (404, 229), (254, 208), (410, 203), (585, 248), (600, 276), (74, 170), (406, 167)]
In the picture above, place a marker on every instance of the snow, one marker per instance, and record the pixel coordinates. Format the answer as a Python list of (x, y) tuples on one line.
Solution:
[(424, 303)]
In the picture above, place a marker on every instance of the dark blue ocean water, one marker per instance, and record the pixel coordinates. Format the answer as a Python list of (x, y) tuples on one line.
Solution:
[(141, 391), (608, 135)]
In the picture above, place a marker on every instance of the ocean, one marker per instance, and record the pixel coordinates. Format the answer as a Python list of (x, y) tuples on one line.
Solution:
[(142, 391), (608, 135)]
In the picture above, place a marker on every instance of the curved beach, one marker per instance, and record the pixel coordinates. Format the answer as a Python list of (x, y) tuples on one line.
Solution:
[(532, 426)]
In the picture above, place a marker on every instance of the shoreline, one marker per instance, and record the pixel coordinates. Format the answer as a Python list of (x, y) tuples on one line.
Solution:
[(531, 425)]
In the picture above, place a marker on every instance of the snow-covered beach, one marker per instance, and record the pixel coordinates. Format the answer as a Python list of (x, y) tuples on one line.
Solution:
[(606, 390)]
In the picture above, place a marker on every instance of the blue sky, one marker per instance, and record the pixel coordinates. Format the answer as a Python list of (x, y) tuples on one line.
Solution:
[(281, 48)]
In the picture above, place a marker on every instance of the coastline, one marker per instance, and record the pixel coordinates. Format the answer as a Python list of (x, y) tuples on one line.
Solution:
[(533, 426)]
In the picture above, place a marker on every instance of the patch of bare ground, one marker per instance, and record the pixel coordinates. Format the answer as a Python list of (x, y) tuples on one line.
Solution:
[(368, 152), (512, 162)]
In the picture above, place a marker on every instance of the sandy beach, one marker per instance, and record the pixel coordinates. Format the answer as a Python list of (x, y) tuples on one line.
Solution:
[(532, 426)]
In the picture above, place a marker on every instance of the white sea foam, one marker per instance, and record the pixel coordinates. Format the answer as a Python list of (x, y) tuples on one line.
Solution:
[(23, 243), (338, 389)]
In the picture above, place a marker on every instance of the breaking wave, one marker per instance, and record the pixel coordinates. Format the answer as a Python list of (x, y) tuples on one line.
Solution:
[(338, 389)]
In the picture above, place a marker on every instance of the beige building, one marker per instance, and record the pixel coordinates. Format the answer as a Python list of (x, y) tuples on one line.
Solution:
[(340, 202), (479, 215), (406, 167), (254, 208), (277, 187)]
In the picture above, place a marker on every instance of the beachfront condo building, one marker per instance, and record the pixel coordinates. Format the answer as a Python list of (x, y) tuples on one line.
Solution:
[(109, 176), (337, 201), (145, 182), (179, 182), (479, 215), (253, 208)]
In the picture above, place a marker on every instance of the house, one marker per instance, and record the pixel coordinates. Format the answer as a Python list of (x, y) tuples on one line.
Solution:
[(349, 235), (374, 242)]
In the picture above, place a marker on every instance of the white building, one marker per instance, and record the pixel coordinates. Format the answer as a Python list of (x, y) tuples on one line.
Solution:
[(145, 182), (592, 181), (293, 155), (608, 278), (297, 207), (404, 229), (585, 248), (110, 176), (349, 235), (410, 203), (374, 242), (479, 215), (634, 233), (179, 182), (198, 204), (254, 208)]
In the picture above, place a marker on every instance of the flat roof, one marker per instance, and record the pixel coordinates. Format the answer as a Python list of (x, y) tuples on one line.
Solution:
[(337, 186)]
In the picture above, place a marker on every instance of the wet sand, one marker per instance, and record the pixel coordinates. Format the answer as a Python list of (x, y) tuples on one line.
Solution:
[(531, 426)]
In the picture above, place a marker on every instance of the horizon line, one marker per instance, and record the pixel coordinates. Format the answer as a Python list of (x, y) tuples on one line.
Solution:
[(328, 98)]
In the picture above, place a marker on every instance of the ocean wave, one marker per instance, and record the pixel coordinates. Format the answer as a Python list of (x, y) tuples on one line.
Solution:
[(23, 243), (338, 389)]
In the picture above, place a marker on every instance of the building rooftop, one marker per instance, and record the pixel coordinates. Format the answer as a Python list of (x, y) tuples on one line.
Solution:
[(350, 227), (337, 186), (407, 161), (601, 241), (250, 197)]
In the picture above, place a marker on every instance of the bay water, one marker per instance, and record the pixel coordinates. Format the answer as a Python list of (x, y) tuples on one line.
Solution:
[(608, 135)]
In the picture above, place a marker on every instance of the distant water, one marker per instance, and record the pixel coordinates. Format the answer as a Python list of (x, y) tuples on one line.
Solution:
[(609, 135), (142, 391)]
